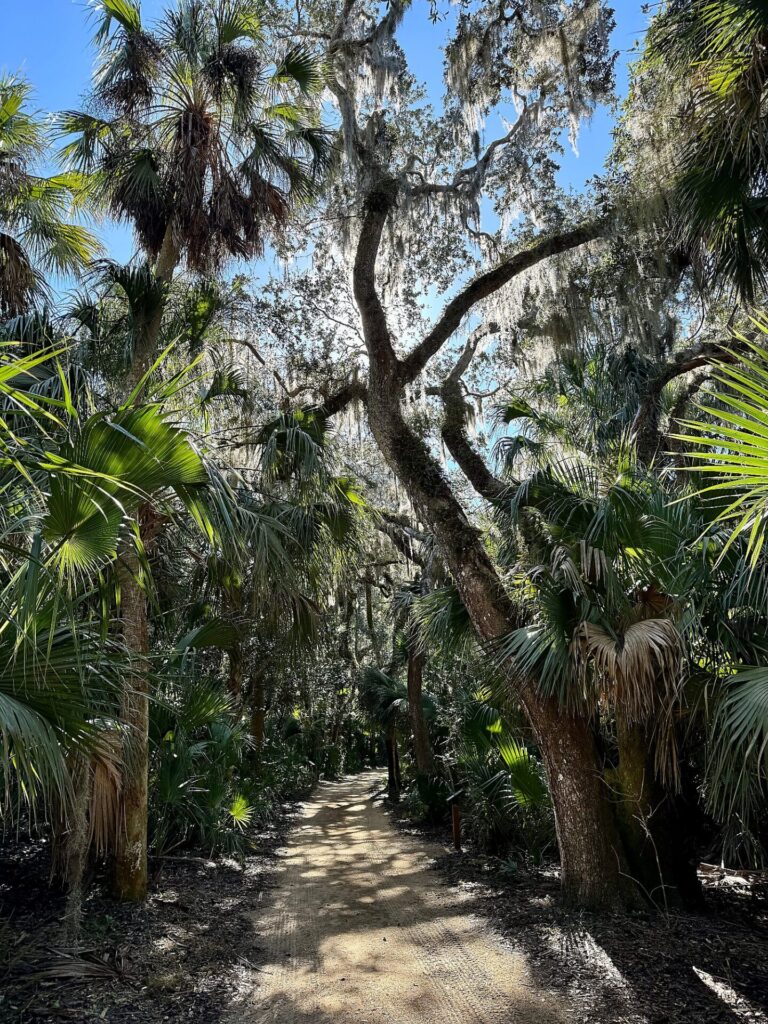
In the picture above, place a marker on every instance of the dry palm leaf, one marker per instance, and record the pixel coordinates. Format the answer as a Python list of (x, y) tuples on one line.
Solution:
[(638, 669)]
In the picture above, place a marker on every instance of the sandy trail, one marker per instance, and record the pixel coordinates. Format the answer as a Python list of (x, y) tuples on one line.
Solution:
[(359, 930)]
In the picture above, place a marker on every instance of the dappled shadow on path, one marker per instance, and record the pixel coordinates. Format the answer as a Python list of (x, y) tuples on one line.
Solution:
[(360, 930), (676, 968)]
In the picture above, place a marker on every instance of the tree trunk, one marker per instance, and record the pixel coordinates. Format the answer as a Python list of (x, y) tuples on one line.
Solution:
[(258, 711), (422, 748), (590, 848), (129, 879), (145, 349), (232, 608), (652, 823), (592, 861), (235, 673), (130, 868), (393, 768), (371, 624)]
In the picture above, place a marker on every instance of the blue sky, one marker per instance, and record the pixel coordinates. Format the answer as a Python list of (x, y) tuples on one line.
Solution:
[(48, 41)]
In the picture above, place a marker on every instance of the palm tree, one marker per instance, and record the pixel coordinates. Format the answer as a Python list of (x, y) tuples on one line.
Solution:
[(70, 486), (415, 652), (207, 141), (385, 702), (37, 233), (208, 138), (714, 55), (727, 446)]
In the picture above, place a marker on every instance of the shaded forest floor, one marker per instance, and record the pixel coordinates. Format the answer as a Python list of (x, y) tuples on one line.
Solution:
[(179, 957), (332, 885)]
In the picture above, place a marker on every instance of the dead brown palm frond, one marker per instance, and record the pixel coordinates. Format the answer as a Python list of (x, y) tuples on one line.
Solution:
[(594, 562), (88, 965), (104, 804), (94, 821), (37, 232), (19, 281), (637, 670)]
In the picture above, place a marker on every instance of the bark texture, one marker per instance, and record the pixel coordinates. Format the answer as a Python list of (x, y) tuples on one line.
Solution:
[(258, 710), (393, 764), (653, 824), (130, 868), (422, 747)]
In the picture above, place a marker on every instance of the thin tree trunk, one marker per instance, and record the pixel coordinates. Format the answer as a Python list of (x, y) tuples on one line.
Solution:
[(370, 623), (235, 673), (130, 868), (233, 608), (393, 770), (422, 748), (145, 350), (258, 711)]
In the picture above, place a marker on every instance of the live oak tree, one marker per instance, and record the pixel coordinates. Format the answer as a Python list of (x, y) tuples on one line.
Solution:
[(408, 204)]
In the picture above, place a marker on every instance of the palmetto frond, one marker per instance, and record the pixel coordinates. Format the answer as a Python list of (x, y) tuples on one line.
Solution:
[(37, 231), (58, 684), (732, 445), (719, 192), (638, 670), (740, 745), (442, 622), (101, 477), (383, 698)]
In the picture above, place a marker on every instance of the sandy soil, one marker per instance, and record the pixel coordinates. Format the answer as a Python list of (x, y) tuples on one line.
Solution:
[(360, 930)]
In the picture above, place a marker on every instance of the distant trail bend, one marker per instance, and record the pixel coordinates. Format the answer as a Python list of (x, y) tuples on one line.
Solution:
[(359, 931)]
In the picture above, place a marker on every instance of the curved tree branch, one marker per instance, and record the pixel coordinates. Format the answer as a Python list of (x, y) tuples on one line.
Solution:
[(468, 458), (489, 282), (645, 426)]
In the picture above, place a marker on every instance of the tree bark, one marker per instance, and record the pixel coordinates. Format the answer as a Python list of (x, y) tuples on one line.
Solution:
[(235, 673), (130, 867), (422, 747), (657, 846), (393, 768), (258, 711)]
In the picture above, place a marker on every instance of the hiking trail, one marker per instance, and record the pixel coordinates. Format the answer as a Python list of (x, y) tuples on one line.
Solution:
[(358, 929)]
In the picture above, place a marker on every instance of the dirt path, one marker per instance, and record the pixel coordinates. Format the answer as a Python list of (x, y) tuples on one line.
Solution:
[(359, 930)]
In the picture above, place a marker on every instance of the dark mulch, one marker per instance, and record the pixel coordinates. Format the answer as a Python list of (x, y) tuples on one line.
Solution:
[(659, 968), (179, 957)]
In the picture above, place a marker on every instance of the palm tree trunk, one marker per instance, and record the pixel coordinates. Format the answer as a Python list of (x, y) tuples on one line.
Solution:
[(258, 711), (651, 822), (393, 768), (130, 868), (422, 748), (370, 623), (235, 673)]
